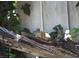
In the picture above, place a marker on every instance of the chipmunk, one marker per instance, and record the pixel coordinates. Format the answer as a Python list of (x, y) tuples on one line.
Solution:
[(42, 35)]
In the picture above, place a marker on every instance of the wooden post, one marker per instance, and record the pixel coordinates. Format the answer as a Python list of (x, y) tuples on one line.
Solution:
[(41, 25)]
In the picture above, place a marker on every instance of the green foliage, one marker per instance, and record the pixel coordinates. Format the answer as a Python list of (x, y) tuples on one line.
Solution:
[(53, 35), (8, 16), (5, 6), (11, 55), (74, 32), (26, 8), (58, 29)]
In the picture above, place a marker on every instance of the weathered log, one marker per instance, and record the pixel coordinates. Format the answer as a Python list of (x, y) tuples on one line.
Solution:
[(5, 33), (47, 49), (50, 48), (57, 52), (27, 49), (71, 46)]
